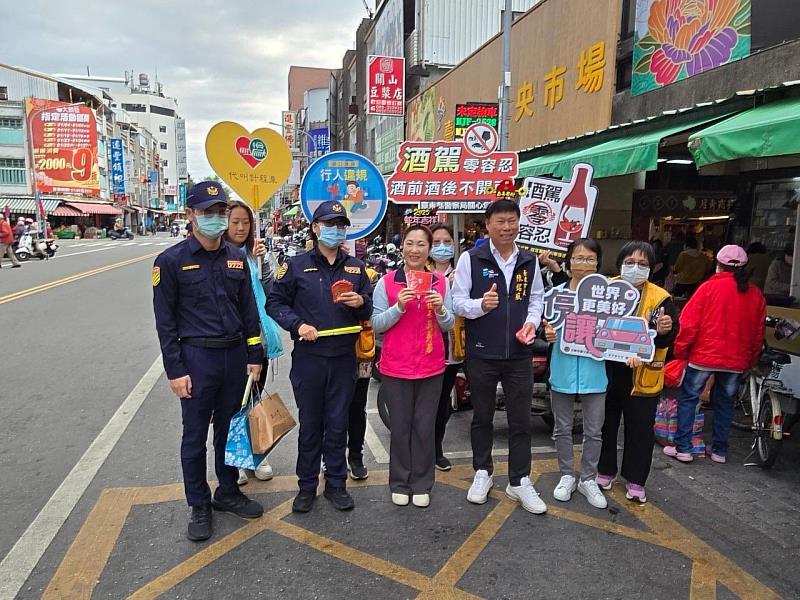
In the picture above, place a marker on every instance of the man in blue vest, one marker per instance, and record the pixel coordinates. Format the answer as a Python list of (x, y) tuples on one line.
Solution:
[(498, 290)]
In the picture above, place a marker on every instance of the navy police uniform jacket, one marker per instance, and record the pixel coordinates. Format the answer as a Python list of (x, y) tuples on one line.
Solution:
[(200, 294), (302, 294)]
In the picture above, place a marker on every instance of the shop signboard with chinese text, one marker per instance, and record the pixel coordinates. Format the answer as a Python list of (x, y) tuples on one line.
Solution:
[(556, 213), (475, 112), (117, 167), (386, 86), (254, 164), (354, 181), (63, 142), (320, 143), (564, 63), (597, 320), (452, 176), (289, 120)]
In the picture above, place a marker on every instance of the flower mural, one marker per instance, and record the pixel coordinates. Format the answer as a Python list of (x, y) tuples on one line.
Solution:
[(676, 39)]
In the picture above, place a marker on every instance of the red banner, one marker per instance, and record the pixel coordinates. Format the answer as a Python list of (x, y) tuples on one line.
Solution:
[(386, 82), (451, 176), (63, 141)]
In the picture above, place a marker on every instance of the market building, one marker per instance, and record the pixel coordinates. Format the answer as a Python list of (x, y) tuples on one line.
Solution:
[(705, 140)]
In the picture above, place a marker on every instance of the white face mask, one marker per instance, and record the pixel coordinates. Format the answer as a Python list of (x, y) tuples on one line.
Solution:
[(635, 275)]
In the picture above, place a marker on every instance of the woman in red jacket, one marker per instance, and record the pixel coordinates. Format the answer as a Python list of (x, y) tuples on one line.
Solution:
[(721, 334)]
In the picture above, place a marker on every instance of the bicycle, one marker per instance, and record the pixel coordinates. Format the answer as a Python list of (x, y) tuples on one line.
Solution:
[(769, 400)]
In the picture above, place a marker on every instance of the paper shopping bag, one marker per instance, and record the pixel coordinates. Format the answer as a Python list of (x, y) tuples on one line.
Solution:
[(269, 421)]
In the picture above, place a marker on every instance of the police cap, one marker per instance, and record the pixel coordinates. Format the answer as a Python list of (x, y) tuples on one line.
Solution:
[(204, 194), (330, 210)]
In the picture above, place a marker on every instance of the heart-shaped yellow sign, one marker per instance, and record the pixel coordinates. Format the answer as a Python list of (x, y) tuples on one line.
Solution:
[(254, 164)]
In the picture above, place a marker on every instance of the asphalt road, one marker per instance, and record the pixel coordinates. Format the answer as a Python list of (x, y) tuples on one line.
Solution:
[(113, 527)]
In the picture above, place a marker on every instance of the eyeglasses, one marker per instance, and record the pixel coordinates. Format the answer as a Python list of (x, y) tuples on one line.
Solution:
[(583, 260), (632, 263)]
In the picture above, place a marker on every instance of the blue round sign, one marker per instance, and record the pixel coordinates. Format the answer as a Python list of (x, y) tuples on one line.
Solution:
[(352, 180)]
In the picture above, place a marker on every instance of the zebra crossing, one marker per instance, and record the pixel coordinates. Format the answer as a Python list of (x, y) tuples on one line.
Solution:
[(100, 244)]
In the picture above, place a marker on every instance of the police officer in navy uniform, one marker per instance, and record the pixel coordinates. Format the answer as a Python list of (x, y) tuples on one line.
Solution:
[(324, 369), (210, 336)]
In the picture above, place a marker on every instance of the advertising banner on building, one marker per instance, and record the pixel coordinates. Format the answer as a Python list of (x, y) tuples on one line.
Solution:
[(386, 85), (596, 320), (354, 181), (458, 176), (152, 187), (63, 142), (475, 112), (676, 40), (117, 167), (320, 142), (289, 120), (556, 213)]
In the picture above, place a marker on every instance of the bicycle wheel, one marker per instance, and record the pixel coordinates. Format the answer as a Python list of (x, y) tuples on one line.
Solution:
[(743, 421), (766, 446), (383, 408)]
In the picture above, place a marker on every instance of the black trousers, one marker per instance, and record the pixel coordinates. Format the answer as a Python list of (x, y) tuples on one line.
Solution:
[(357, 427), (444, 410), (517, 378), (219, 376), (323, 389), (639, 413)]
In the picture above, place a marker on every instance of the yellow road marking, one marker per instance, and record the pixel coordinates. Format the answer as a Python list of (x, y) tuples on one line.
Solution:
[(59, 282), (82, 567)]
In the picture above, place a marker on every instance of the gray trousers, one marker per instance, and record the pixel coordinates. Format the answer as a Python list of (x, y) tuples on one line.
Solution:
[(7, 250), (413, 404), (594, 412)]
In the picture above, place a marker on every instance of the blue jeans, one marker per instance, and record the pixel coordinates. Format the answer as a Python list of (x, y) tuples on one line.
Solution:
[(726, 386)]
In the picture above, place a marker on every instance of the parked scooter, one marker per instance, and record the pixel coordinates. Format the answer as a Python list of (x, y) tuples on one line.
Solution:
[(30, 246), (120, 234)]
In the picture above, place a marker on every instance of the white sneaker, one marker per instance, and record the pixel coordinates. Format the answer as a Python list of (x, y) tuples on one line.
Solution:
[(526, 494), (242, 477), (400, 499), (264, 471), (421, 500), (479, 490), (590, 489), (565, 487)]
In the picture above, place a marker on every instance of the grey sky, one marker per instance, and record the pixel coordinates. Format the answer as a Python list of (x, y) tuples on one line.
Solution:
[(222, 59)]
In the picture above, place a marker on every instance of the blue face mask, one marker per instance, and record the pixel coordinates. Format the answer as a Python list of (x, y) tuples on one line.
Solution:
[(212, 226), (442, 253), (332, 237)]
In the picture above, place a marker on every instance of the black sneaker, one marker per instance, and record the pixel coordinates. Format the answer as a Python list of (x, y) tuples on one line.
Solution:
[(442, 464), (357, 469), (340, 498), (303, 501), (200, 527), (238, 504)]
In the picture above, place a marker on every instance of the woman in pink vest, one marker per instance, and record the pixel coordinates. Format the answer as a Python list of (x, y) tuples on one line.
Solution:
[(411, 308)]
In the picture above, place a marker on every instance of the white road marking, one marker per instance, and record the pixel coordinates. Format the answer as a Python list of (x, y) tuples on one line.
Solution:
[(162, 244), (147, 244), (375, 446), (81, 252), (129, 244), (76, 245), (18, 564)]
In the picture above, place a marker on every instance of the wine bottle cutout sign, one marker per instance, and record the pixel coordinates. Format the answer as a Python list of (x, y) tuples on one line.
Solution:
[(556, 213)]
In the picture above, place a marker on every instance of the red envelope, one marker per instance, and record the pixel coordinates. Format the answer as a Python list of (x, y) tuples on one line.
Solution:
[(420, 282), (340, 287)]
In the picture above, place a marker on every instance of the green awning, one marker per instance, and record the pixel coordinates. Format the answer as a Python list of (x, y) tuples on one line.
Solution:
[(291, 212), (27, 204), (629, 153), (769, 130)]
